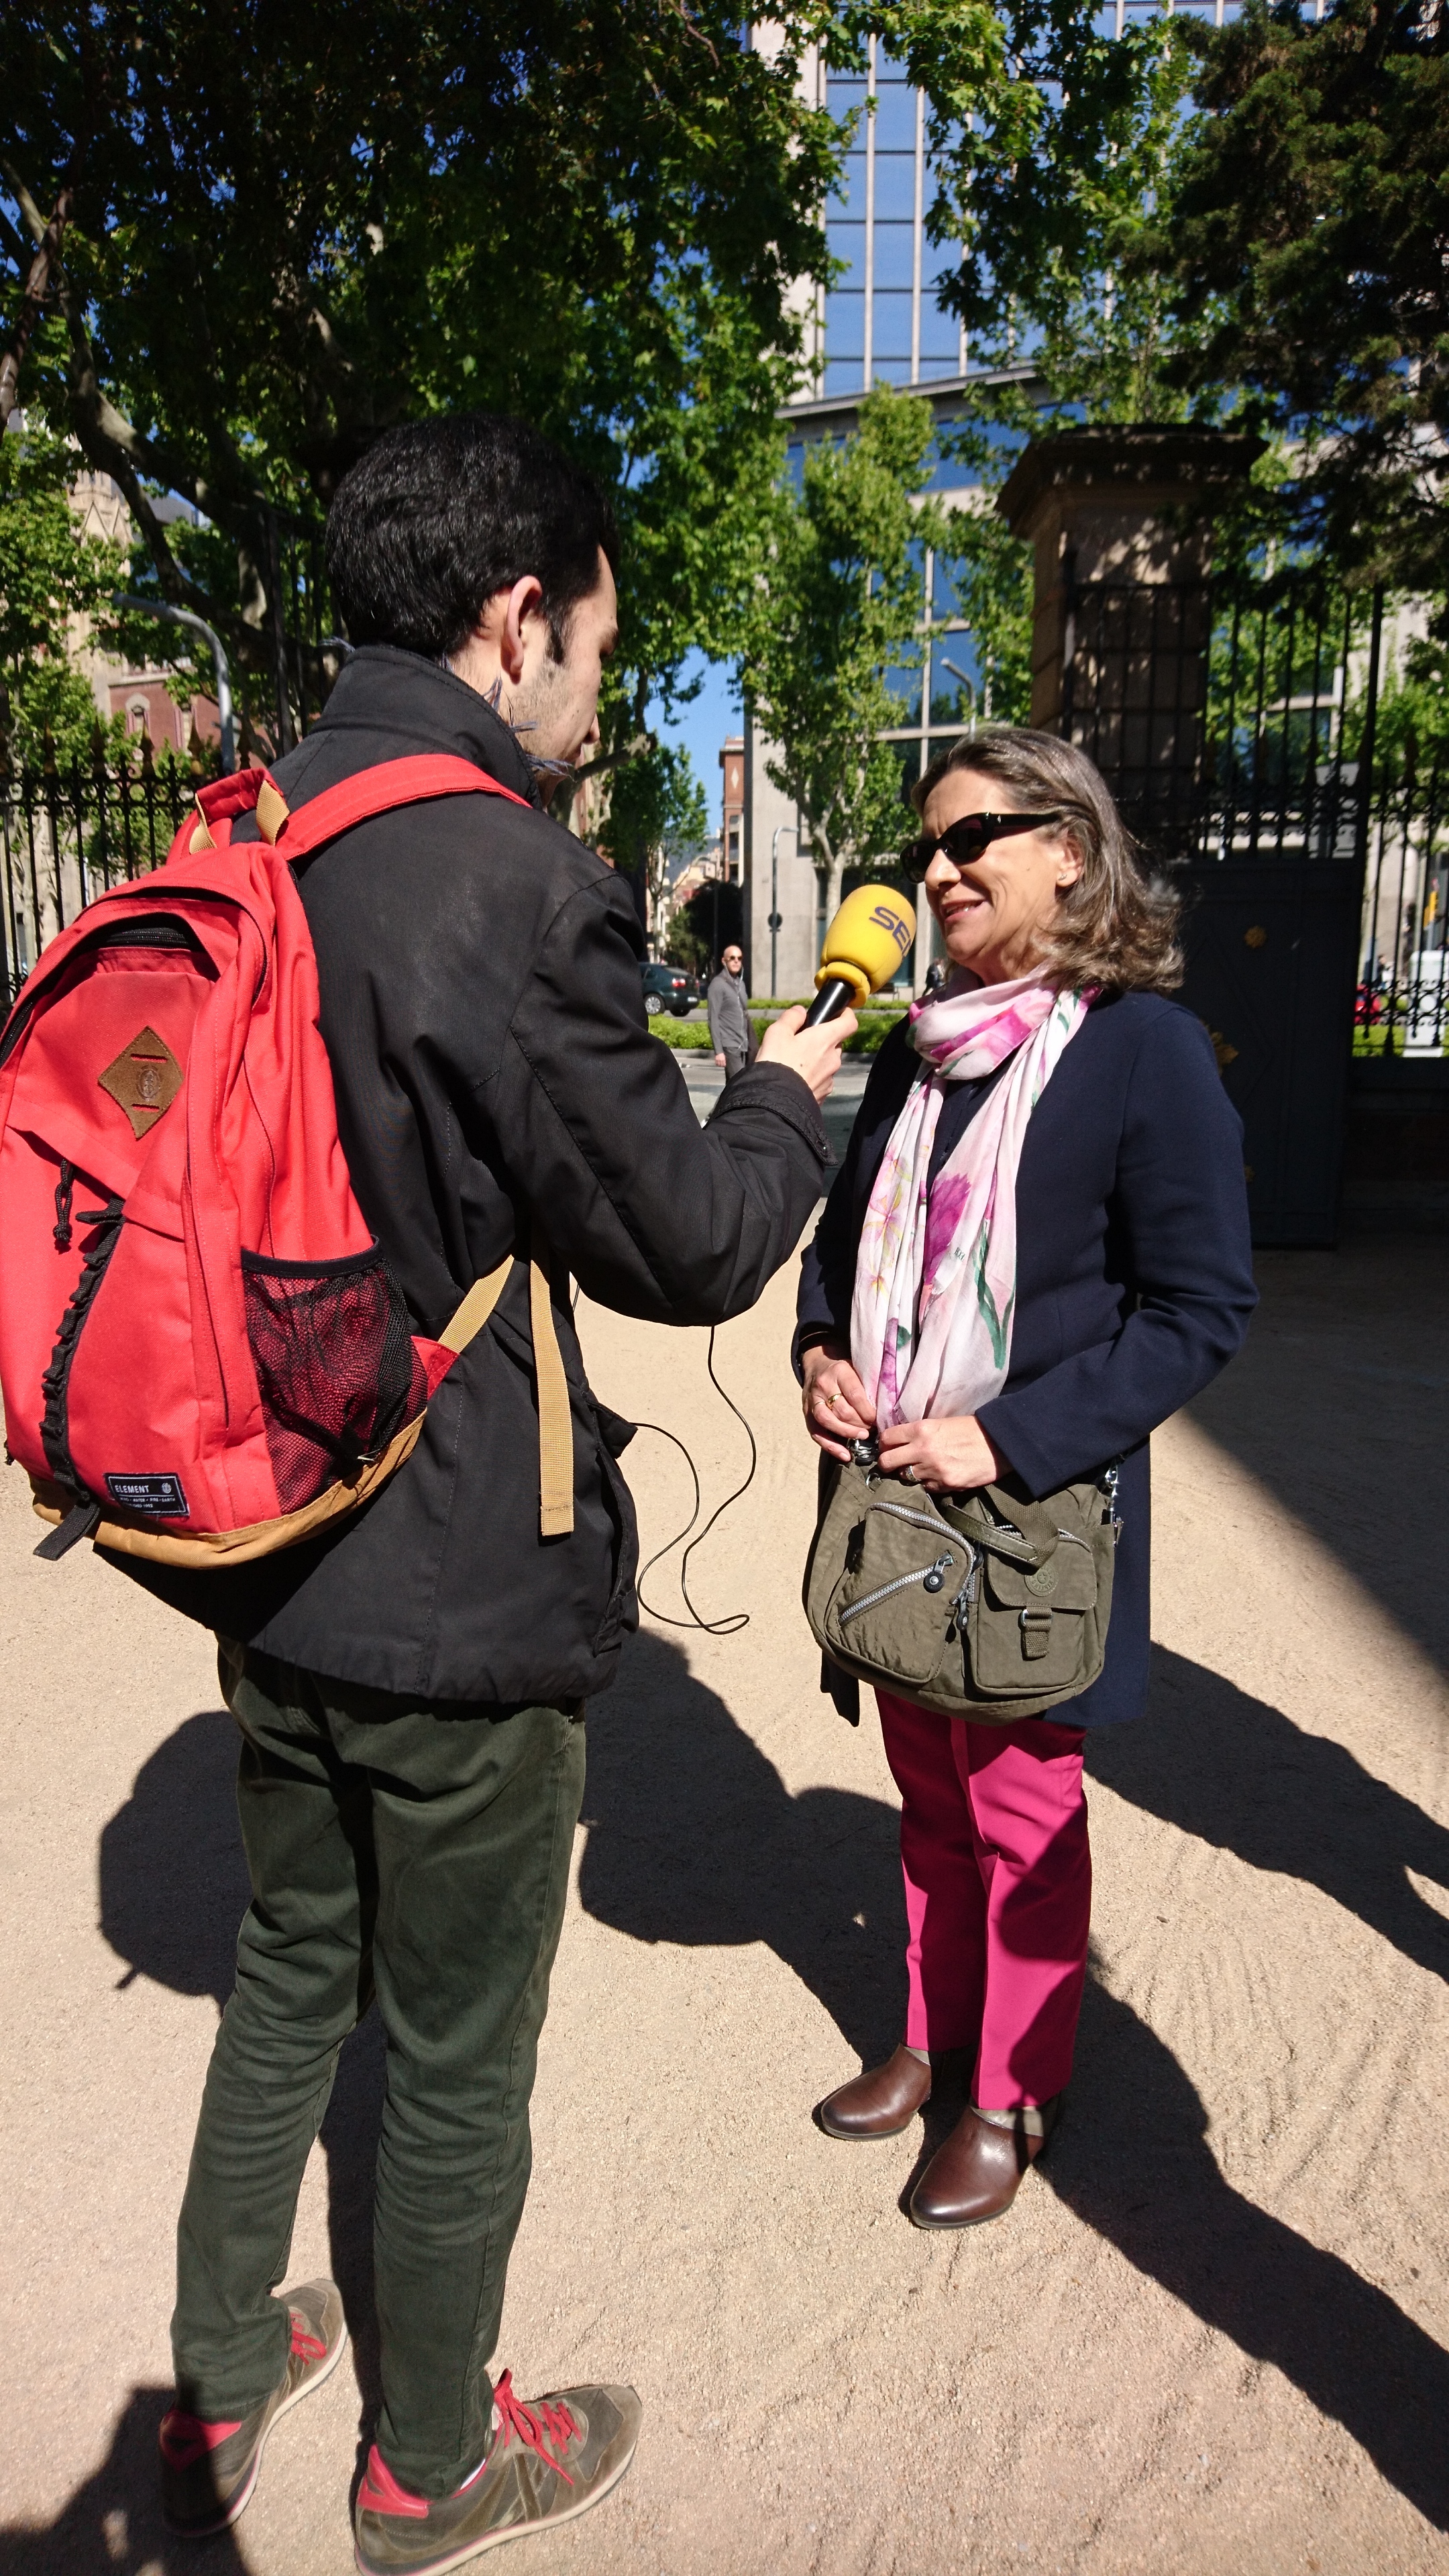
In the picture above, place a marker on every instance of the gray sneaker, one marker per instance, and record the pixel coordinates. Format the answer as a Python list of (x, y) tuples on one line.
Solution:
[(548, 2462), (208, 2470)]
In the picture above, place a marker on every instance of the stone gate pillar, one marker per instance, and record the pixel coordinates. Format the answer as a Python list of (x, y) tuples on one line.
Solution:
[(1121, 523)]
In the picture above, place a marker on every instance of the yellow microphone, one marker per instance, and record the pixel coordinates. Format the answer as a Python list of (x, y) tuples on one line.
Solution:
[(864, 945)]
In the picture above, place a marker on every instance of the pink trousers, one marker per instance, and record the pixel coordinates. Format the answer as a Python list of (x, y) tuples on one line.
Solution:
[(998, 1879)]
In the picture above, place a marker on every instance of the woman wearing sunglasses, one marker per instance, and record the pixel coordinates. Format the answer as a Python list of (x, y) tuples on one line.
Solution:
[(1036, 1250)]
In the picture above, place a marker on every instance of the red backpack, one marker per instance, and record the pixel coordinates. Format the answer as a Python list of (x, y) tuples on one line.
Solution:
[(202, 1351)]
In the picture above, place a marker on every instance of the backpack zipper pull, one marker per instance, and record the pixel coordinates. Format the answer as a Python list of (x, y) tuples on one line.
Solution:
[(64, 1193)]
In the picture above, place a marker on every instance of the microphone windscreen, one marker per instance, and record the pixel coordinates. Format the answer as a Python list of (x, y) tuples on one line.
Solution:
[(871, 933)]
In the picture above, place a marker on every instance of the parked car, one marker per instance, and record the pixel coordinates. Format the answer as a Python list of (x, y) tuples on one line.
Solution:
[(668, 988)]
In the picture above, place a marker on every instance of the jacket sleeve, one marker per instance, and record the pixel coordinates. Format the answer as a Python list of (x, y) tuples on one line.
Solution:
[(712, 1001), (1180, 1203), (653, 1215)]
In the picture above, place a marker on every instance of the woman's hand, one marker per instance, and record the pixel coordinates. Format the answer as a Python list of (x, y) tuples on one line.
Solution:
[(837, 1407), (947, 1456)]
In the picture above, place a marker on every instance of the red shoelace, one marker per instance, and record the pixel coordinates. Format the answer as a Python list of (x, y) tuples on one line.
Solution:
[(534, 2425), (305, 2345)]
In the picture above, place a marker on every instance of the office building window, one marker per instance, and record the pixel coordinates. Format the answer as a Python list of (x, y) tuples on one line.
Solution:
[(882, 320)]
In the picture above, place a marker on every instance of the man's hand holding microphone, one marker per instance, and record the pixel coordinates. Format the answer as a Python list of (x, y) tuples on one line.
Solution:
[(864, 945), (812, 1053)]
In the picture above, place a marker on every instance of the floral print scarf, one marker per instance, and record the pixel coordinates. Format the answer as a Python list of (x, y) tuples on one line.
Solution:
[(935, 1276)]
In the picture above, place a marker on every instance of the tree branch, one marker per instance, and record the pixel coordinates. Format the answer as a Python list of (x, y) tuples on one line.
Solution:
[(38, 283), (635, 750)]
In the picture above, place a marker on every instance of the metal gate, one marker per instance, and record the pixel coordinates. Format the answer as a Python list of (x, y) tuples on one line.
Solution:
[(1236, 727)]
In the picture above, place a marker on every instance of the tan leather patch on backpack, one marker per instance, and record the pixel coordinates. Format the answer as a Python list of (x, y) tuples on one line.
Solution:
[(143, 1080)]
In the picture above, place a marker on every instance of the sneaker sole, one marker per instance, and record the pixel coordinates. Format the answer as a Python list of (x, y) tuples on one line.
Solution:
[(511, 2531), (243, 2496)]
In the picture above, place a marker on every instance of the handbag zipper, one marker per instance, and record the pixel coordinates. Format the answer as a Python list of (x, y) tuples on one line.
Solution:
[(902, 1583), (898, 1511)]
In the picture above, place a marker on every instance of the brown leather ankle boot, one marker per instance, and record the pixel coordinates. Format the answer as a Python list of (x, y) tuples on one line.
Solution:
[(976, 2173), (880, 2103)]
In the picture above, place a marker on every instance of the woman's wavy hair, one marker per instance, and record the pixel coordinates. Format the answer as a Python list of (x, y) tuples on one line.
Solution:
[(1116, 926)]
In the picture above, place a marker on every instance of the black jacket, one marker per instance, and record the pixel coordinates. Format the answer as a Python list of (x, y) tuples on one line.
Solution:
[(496, 1087), (1134, 1271)]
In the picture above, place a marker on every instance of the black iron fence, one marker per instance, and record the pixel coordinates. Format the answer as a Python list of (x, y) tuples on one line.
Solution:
[(69, 831), (299, 624), (1273, 725), (71, 827)]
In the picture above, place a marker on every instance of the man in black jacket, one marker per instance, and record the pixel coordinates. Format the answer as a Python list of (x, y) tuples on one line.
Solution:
[(410, 1691)]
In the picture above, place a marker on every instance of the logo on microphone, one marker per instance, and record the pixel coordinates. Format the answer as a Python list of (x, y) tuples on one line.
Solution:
[(894, 922)]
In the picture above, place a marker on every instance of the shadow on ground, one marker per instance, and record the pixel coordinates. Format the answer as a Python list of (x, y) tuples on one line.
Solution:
[(1339, 1403), (694, 1839), (1238, 1774), (112, 2525), (718, 1852)]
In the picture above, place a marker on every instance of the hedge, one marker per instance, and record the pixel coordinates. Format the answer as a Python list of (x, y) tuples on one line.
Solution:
[(691, 1037)]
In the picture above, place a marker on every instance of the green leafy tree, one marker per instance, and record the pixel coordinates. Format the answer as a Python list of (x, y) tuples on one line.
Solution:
[(992, 574), (1054, 141), (657, 822), (839, 601), (702, 929), (52, 577), (1308, 246), (280, 236)]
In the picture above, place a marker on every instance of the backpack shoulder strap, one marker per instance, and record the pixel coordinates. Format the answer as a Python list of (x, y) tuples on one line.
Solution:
[(380, 791), (555, 1414)]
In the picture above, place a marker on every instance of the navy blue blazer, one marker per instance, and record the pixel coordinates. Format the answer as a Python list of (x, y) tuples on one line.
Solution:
[(1134, 1272)]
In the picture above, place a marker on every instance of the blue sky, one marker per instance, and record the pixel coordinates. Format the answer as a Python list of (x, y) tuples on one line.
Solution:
[(702, 726)]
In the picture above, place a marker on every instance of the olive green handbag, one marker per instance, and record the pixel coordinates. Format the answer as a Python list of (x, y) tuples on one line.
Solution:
[(986, 1605)]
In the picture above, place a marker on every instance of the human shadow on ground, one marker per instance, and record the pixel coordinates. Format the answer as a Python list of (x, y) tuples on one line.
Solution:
[(693, 1838), (1131, 2159), (1339, 1405), (112, 2524), (1236, 1773), (173, 1890)]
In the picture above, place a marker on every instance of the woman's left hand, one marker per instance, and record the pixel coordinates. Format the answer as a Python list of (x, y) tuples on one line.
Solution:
[(947, 1456)]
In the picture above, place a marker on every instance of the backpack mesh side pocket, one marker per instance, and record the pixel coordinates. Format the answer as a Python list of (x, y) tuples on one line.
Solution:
[(338, 1374)]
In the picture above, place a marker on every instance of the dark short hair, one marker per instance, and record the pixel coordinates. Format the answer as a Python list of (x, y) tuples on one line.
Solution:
[(440, 515)]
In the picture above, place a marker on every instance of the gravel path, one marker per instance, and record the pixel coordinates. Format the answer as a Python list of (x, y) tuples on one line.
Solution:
[(1211, 2336)]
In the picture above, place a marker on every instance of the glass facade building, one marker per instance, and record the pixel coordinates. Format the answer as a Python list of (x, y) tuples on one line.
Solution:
[(882, 320)]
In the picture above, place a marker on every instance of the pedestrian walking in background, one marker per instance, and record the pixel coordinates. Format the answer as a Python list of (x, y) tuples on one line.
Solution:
[(731, 1030), (1036, 1250), (410, 1690)]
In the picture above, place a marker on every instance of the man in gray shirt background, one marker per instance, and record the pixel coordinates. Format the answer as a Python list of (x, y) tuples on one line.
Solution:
[(731, 1031)]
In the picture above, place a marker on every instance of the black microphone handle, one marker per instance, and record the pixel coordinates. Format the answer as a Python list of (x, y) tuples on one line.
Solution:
[(830, 1001)]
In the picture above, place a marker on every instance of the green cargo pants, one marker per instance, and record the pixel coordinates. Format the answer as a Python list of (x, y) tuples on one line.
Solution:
[(420, 1853)]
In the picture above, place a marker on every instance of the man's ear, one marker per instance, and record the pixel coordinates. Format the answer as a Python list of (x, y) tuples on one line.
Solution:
[(525, 600)]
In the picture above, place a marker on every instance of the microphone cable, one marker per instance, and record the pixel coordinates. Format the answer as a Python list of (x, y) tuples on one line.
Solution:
[(733, 1620)]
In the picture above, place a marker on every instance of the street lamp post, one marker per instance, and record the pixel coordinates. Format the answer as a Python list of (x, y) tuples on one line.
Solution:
[(967, 683), (198, 625), (775, 901)]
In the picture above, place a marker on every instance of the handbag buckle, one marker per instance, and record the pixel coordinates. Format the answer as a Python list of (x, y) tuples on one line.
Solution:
[(1036, 1632)]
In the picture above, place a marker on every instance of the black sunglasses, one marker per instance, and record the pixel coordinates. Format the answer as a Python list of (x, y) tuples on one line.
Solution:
[(964, 841)]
